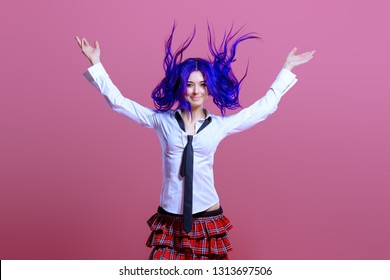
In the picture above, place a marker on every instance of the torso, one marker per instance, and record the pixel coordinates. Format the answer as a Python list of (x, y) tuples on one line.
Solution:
[(190, 130)]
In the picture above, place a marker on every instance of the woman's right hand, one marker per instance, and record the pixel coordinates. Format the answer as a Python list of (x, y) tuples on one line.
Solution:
[(92, 53)]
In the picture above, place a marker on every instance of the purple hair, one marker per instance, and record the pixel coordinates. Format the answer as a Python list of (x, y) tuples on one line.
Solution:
[(221, 82)]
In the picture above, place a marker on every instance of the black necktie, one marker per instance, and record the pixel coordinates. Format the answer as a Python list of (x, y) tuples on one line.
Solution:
[(187, 171)]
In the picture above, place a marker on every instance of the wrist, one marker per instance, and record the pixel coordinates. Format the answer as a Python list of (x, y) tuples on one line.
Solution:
[(95, 61), (288, 66)]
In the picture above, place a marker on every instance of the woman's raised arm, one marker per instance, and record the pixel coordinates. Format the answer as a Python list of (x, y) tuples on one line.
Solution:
[(268, 104), (98, 77)]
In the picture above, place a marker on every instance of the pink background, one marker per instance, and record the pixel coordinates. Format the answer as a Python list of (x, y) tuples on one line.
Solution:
[(78, 181)]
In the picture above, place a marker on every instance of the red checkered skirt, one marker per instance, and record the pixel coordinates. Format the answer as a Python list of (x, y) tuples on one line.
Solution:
[(207, 240)]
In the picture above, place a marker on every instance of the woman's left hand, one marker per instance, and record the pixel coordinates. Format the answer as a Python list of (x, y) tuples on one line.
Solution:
[(293, 60)]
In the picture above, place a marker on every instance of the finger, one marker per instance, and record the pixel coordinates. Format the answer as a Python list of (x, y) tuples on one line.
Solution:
[(310, 56), (306, 55), (85, 42), (309, 53), (294, 50), (97, 45), (78, 41), (307, 59)]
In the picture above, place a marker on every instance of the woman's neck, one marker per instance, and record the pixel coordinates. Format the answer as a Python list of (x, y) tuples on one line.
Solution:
[(198, 113)]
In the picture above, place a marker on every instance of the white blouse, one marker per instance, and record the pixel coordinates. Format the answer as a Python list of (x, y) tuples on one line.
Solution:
[(173, 139)]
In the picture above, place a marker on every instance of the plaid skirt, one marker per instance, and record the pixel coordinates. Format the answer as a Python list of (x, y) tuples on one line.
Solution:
[(208, 239)]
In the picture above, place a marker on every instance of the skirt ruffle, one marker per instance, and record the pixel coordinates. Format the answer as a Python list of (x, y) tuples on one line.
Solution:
[(207, 240)]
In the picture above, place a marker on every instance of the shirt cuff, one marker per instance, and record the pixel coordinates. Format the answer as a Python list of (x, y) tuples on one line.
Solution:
[(95, 71), (284, 81), (286, 74)]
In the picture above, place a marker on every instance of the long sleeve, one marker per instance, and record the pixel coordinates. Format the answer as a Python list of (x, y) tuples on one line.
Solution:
[(99, 78), (263, 107)]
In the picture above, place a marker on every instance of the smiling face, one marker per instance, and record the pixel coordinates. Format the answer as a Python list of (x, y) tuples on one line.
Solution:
[(196, 90)]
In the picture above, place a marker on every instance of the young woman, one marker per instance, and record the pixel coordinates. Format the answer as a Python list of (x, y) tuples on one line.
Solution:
[(189, 223)]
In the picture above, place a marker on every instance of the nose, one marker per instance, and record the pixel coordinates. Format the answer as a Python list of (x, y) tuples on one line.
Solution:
[(196, 89)]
